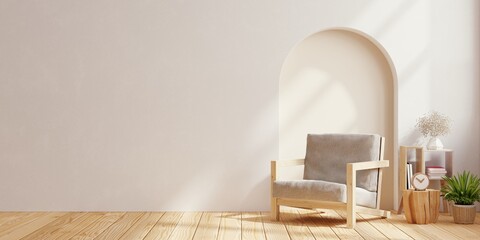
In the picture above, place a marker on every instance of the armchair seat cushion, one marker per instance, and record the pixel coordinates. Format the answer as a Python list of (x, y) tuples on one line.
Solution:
[(321, 191)]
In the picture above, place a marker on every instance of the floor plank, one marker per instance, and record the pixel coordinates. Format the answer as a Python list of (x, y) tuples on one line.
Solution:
[(95, 228), (463, 231), (142, 227), (274, 230), (230, 226), (382, 225), (294, 224), (187, 226), (317, 225), (418, 231), (363, 228), (69, 231), (165, 226), (116, 230), (27, 228), (15, 220), (338, 224), (10, 215), (10, 219), (6, 214), (57, 227), (252, 226), (208, 226)]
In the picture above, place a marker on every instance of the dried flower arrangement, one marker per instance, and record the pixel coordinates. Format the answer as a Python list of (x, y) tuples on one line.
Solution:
[(433, 124)]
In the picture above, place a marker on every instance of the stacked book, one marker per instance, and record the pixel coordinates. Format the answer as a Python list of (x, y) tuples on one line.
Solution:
[(409, 171), (436, 172)]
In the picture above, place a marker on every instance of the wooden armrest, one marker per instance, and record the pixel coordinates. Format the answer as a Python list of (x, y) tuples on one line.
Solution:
[(284, 163), (352, 169), (288, 163), (369, 165)]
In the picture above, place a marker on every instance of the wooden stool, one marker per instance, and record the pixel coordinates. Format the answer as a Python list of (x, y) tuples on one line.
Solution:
[(421, 207)]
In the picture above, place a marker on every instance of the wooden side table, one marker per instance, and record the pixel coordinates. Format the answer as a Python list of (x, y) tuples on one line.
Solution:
[(421, 207)]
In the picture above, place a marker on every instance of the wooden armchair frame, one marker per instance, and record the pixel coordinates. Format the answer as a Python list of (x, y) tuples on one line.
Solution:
[(350, 206)]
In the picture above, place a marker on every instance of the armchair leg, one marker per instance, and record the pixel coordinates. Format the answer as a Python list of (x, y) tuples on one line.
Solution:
[(351, 219), (275, 209), (351, 200)]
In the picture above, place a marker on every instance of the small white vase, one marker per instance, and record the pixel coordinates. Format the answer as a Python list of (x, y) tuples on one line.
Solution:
[(434, 144)]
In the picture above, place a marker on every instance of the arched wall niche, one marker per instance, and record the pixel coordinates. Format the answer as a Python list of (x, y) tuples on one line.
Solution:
[(339, 80)]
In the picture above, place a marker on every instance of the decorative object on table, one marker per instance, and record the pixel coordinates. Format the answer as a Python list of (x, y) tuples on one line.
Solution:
[(420, 181), (434, 125), (463, 190)]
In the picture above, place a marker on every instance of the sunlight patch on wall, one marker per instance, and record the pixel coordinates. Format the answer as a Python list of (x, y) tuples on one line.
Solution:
[(311, 103)]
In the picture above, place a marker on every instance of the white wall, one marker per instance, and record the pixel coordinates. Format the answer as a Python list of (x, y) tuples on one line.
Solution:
[(173, 105)]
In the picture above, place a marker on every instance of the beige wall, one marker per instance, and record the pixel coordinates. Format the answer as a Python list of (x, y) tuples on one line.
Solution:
[(134, 106), (173, 105), (336, 81)]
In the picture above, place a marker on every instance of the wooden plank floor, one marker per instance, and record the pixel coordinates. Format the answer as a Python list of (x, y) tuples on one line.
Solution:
[(294, 224)]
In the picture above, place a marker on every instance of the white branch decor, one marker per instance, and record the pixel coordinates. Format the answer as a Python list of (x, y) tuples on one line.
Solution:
[(433, 124)]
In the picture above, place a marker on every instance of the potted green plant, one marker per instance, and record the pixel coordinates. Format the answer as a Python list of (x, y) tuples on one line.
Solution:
[(463, 190)]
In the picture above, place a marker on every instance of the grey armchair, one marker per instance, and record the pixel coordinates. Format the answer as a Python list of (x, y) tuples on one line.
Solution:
[(341, 171)]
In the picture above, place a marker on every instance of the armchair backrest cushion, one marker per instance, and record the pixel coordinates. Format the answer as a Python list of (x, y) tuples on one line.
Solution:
[(328, 154)]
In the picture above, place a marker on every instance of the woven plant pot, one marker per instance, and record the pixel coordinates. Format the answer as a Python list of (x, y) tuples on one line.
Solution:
[(464, 214)]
